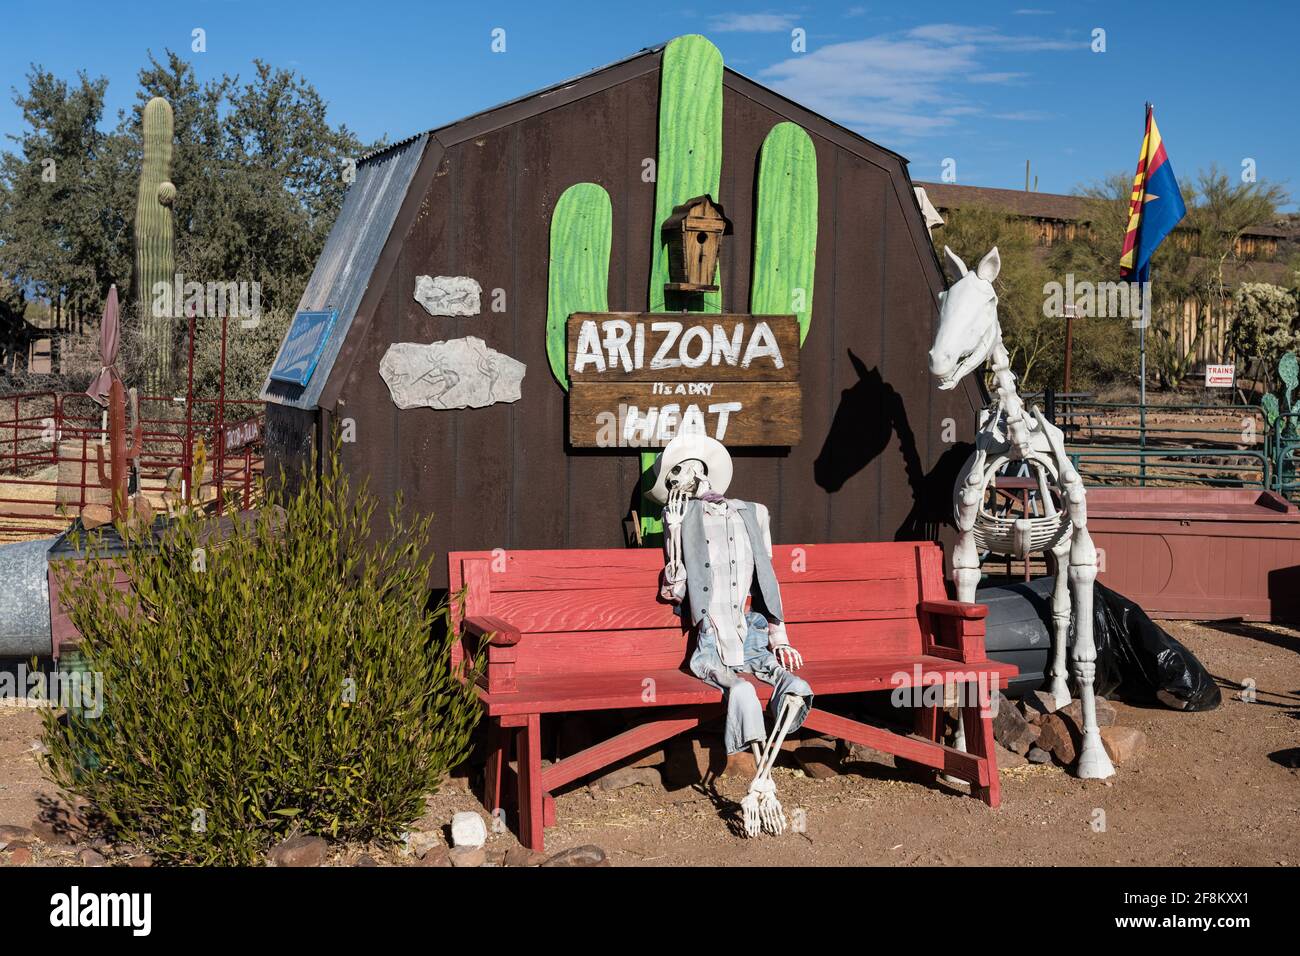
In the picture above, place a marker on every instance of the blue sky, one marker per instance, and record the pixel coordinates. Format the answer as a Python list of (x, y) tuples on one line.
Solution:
[(987, 85)]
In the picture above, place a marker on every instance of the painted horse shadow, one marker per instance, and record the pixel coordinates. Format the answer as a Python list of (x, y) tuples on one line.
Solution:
[(870, 414)]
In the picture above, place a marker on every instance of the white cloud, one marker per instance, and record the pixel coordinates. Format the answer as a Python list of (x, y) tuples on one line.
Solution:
[(752, 22), (911, 83)]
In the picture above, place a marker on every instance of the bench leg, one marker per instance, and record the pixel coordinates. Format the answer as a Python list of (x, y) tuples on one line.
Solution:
[(929, 723), (532, 810), (979, 741), (498, 743)]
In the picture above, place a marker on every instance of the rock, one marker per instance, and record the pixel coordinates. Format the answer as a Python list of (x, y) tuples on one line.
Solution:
[(141, 862), (1058, 737), (1038, 755), (653, 758), (437, 856), (15, 836), (628, 777), (95, 516), (740, 764), (1038, 702), (1007, 759), (89, 857), (20, 857), (463, 856), (448, 295), (1074, 714), (1012, 730), (1123, 744), (420, 842), (589, 855), (57, 833), (467, 830), (690, 761), (522, 856), (300, 851), (496, 857), (141, 511), (365, 859), (818, 761)]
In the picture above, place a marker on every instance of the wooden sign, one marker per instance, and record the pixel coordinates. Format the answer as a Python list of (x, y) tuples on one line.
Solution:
[(1220, 376), (241, 434), (639, 379)]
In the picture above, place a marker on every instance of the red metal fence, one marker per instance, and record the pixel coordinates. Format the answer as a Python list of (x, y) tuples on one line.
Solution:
[(48, 456)]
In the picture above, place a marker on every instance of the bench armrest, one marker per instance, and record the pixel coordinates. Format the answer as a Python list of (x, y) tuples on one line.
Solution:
[(498, 638), (498, 632), (963, 609), (954, 630)]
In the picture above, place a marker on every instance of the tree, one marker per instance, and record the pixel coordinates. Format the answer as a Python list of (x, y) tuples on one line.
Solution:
[(258, 170), (55, 240)]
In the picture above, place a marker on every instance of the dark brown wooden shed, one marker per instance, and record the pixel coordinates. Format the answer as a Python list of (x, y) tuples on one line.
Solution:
[(475, 198)]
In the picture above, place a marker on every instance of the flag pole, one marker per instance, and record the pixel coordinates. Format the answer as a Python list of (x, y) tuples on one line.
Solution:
[(1147, 308)]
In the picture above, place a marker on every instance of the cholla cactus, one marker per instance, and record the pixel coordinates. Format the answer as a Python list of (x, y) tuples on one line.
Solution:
[(154, 253)]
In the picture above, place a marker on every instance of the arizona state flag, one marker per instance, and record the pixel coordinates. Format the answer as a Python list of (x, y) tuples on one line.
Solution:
[(1155, 205)]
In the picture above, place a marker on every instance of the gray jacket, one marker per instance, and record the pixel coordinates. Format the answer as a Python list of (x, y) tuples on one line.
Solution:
[(695, 555)]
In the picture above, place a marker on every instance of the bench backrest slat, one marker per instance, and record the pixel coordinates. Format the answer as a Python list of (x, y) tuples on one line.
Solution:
[(599, 611)]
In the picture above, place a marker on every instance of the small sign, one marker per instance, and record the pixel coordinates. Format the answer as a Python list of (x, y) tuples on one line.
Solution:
[(242, 434), (636, 380), (1220, 376), (303, 347)]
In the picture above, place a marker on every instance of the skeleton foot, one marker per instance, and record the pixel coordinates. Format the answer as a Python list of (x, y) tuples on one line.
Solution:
[(771, 813), (755, 809)]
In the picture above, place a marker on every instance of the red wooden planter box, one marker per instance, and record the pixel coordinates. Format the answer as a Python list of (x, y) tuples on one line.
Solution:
[(1199, 553)]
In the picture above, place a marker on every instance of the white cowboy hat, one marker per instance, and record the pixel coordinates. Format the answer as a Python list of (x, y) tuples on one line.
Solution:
[(683, 448)]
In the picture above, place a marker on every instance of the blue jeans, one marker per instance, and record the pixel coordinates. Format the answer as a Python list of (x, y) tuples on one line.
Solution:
[(744, 715)]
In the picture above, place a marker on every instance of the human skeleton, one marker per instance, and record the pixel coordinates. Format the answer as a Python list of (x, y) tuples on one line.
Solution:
[(969, 335), (760, 808)]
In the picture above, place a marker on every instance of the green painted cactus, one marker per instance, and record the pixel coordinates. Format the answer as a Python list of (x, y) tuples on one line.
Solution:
[(689, 164), (785, 226), (690, 154), (155, 258), (581, 234)]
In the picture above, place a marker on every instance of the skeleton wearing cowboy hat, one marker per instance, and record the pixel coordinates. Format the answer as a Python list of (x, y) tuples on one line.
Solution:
[(719, 568)]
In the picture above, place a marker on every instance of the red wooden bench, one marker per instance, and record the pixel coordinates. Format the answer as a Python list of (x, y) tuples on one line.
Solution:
[(569, 631)]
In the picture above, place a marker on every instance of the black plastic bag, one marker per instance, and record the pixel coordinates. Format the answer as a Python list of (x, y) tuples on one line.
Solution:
[(1140, 661)]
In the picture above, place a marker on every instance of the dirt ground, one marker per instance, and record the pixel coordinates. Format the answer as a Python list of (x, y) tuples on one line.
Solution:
[(1217, 788)]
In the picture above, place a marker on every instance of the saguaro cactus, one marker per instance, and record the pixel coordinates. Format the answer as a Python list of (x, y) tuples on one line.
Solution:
[(155, 259)]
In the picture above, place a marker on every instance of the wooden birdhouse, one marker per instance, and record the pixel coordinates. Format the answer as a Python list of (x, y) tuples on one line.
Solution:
[(694, 234)]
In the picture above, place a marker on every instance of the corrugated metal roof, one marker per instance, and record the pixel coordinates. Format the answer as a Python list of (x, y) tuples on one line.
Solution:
[(25, 598), (347, 262)]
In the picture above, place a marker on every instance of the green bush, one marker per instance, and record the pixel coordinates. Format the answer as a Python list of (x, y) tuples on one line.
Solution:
[(289, 676)]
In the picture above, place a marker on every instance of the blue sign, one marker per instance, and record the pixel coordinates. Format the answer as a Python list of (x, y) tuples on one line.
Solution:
[(303, 347)]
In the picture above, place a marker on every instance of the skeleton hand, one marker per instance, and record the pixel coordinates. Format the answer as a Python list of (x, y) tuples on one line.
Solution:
[(675, 508), (788, 657)]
